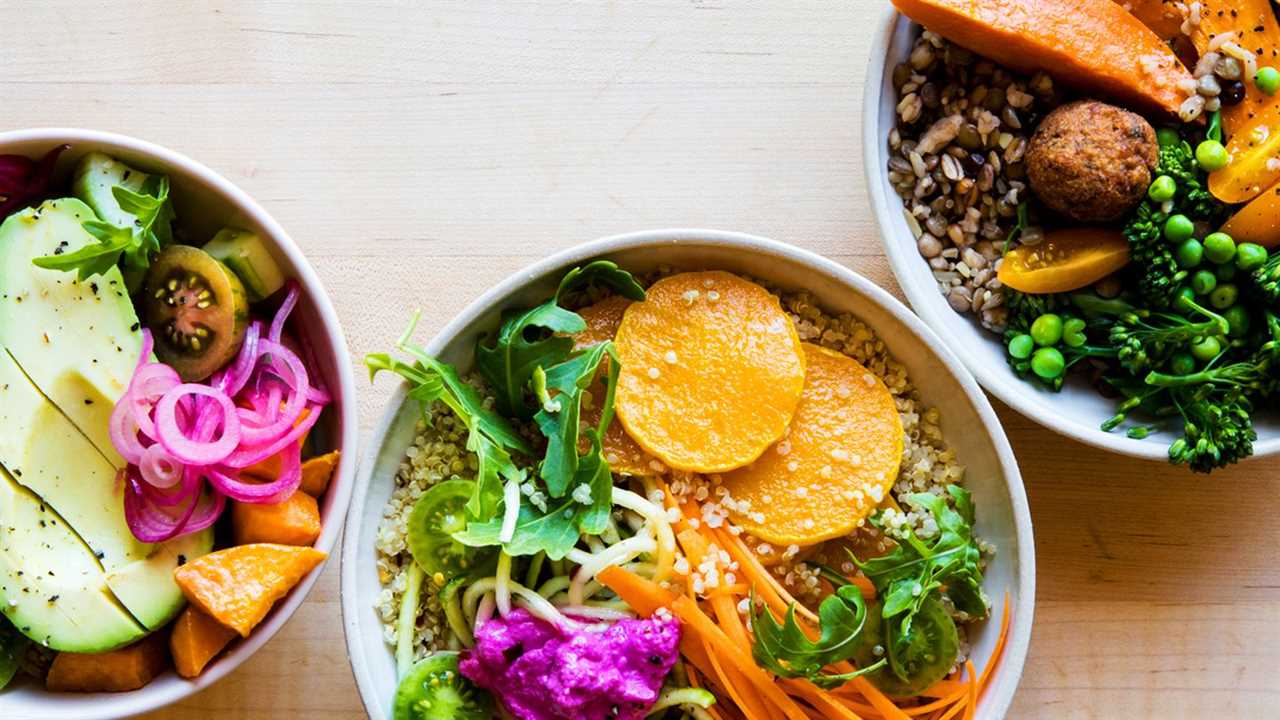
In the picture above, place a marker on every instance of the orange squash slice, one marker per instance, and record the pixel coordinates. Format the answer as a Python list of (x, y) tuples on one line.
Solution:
[(237, 586), (712, 371), (197, 639), (836, 463)]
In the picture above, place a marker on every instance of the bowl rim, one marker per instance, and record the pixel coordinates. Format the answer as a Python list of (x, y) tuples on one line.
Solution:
[(152, 697), (905, 262), (1015, 652)]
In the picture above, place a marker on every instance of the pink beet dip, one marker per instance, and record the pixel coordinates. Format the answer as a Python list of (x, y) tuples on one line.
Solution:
[(542, 672)]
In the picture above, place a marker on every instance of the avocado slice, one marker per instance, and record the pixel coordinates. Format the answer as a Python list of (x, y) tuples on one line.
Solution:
[(51, 587), (94, 179), (78, 341), (147, 588), (50, 458)]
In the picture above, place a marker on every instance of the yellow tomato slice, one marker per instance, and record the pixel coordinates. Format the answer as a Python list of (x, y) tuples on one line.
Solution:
[(1065, 260)]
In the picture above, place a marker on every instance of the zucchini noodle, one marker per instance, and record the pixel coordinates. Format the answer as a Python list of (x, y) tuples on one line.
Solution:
[(610, 534), (606, 612), (484, 613), (623, 552), (502, 585), (656, 517), (471, 598), (453, 615), (511, 510), (407, 623), (535, 569), (557, 584), (688, 697)]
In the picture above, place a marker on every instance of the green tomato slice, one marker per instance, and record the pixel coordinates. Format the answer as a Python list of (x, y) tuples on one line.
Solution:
[(433, 689), (916, 661), (438, 514)]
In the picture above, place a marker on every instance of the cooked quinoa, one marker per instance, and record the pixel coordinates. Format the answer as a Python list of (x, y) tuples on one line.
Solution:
[(439, 453)]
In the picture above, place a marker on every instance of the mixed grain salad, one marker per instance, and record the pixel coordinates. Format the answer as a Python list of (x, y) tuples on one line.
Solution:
[(684, 495), (159, 475), (1098, 184)]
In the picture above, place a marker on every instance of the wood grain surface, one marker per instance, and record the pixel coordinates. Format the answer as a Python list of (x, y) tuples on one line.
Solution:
[(421, 151)]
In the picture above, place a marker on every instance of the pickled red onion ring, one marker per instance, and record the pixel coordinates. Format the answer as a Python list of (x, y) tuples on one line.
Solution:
[(186, 444), (159, 469), (188, 450)]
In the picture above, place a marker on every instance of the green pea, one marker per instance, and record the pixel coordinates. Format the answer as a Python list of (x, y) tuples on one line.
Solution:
[(1238, 320), (1250, 256), (1021, 346), (1162, 188), (1047, 330), (1189, 253), (1224, 296), (1206, 348), (1073, 332), (1268, 80), (1178, 229), (1048, 363), (1182, 364), (1219, 247), (1212, 155), (1226, 271), (1168, 137), (1182, 301), (1203, 282)]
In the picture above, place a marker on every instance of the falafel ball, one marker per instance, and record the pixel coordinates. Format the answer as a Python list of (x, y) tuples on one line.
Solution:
[(1091, 161)]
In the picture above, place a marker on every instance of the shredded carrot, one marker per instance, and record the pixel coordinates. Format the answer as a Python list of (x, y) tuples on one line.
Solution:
[(955, 709), (727, 615), (998, 652), (749, 707), (819, 699), (878, 699), (695, 546), (936, 705), (765, 583), (973, 690), (943, 688), (737, 590)]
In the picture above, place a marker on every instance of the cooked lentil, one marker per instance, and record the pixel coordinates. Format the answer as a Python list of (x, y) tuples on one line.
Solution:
[(956, 160)]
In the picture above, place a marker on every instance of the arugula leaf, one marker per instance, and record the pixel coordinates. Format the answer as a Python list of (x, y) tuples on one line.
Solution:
[(557, 530), (559, 417), (602, 272), (490, 436), (92, 259), (133, 246), (525, 341), (916, 570), (537, 337), (786, 651)]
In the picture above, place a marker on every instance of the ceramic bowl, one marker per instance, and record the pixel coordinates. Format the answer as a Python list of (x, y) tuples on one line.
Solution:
[(1078, 410), (968, 422), (205, 201)]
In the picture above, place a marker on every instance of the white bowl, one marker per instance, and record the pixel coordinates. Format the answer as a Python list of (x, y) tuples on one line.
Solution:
[(969, 423), (1077, 411), (205, 201)]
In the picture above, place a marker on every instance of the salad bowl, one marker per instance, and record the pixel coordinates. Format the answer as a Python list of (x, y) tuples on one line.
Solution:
[(1078, 410), (205, 201), (976, 436)]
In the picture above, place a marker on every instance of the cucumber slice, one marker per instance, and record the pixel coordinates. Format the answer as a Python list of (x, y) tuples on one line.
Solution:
[(248, 257), (96, 174)]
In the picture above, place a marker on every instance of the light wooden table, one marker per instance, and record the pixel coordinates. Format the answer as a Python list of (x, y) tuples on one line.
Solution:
[(419, 152)]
